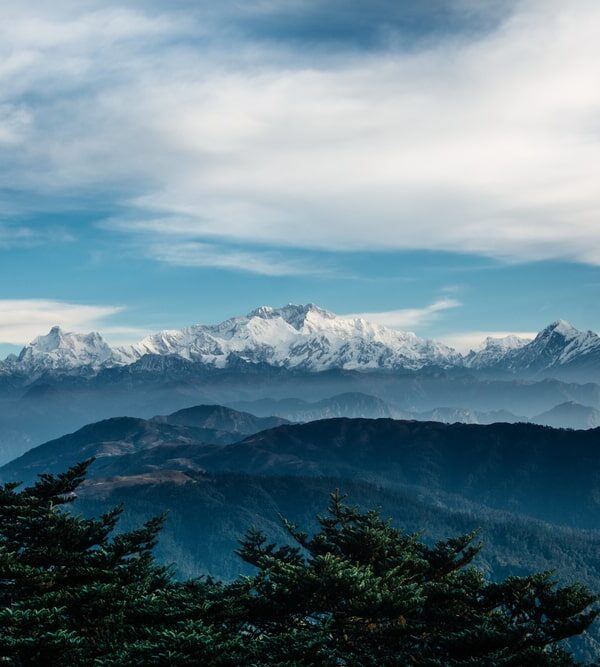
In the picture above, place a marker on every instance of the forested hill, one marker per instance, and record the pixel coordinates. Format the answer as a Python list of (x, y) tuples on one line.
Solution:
[(551, 474)]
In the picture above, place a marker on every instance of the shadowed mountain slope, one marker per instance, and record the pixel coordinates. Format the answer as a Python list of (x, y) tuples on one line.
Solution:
[(552, 474), (207, 515), (118, 436)]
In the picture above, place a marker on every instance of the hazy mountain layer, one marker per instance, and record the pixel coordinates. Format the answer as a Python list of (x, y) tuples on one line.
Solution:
[(55, 404), (570, 415)]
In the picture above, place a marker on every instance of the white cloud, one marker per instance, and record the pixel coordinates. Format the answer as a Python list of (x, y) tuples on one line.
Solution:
[(469, 340), (14, 236), (407, 318), (20, 236), (487, 144), (193, 253), (21, 320)]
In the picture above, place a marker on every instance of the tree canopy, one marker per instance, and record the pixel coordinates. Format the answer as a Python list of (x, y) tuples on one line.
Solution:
[(74, 591)]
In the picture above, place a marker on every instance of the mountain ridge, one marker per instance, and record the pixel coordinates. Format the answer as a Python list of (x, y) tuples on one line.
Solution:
[(310, 339), (508, 467), (198, 426)]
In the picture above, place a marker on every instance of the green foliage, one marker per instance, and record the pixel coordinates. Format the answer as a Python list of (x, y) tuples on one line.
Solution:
[(357, 592), (71, 595), (369, 594)]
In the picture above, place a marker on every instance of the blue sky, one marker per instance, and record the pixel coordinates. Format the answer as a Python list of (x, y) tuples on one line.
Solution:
[(434, 165)]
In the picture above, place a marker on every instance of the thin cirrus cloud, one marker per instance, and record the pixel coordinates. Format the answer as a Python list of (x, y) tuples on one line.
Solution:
[(183, 249), (406, 318), (21, 320), (11, 236), (197, 254), (22, 236), (475, 141)]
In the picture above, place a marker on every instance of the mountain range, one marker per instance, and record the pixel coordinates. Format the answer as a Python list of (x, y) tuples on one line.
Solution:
[(299, 363), (509, 467), (310, 339), (568, 414)]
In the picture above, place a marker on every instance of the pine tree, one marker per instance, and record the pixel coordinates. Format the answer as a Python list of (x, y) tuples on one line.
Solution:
[(360, 592), (70, 594)]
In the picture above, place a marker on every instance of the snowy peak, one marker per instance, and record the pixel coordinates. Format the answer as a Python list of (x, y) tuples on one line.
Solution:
[(63, 350), (57, 339), (556, 349), (53, 340), (297, 336), (297, 316), (494, 350), (562, 341), (504, 344), (559, 328), (562, 326)]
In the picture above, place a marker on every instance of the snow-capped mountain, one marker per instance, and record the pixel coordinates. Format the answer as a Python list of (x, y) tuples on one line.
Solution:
[(60, 350), (305, 337), (560, 349), (308, 338), (493, 350), (560, 343)]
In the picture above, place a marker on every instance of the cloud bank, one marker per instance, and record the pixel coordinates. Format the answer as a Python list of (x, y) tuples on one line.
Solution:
[(483, 139)]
